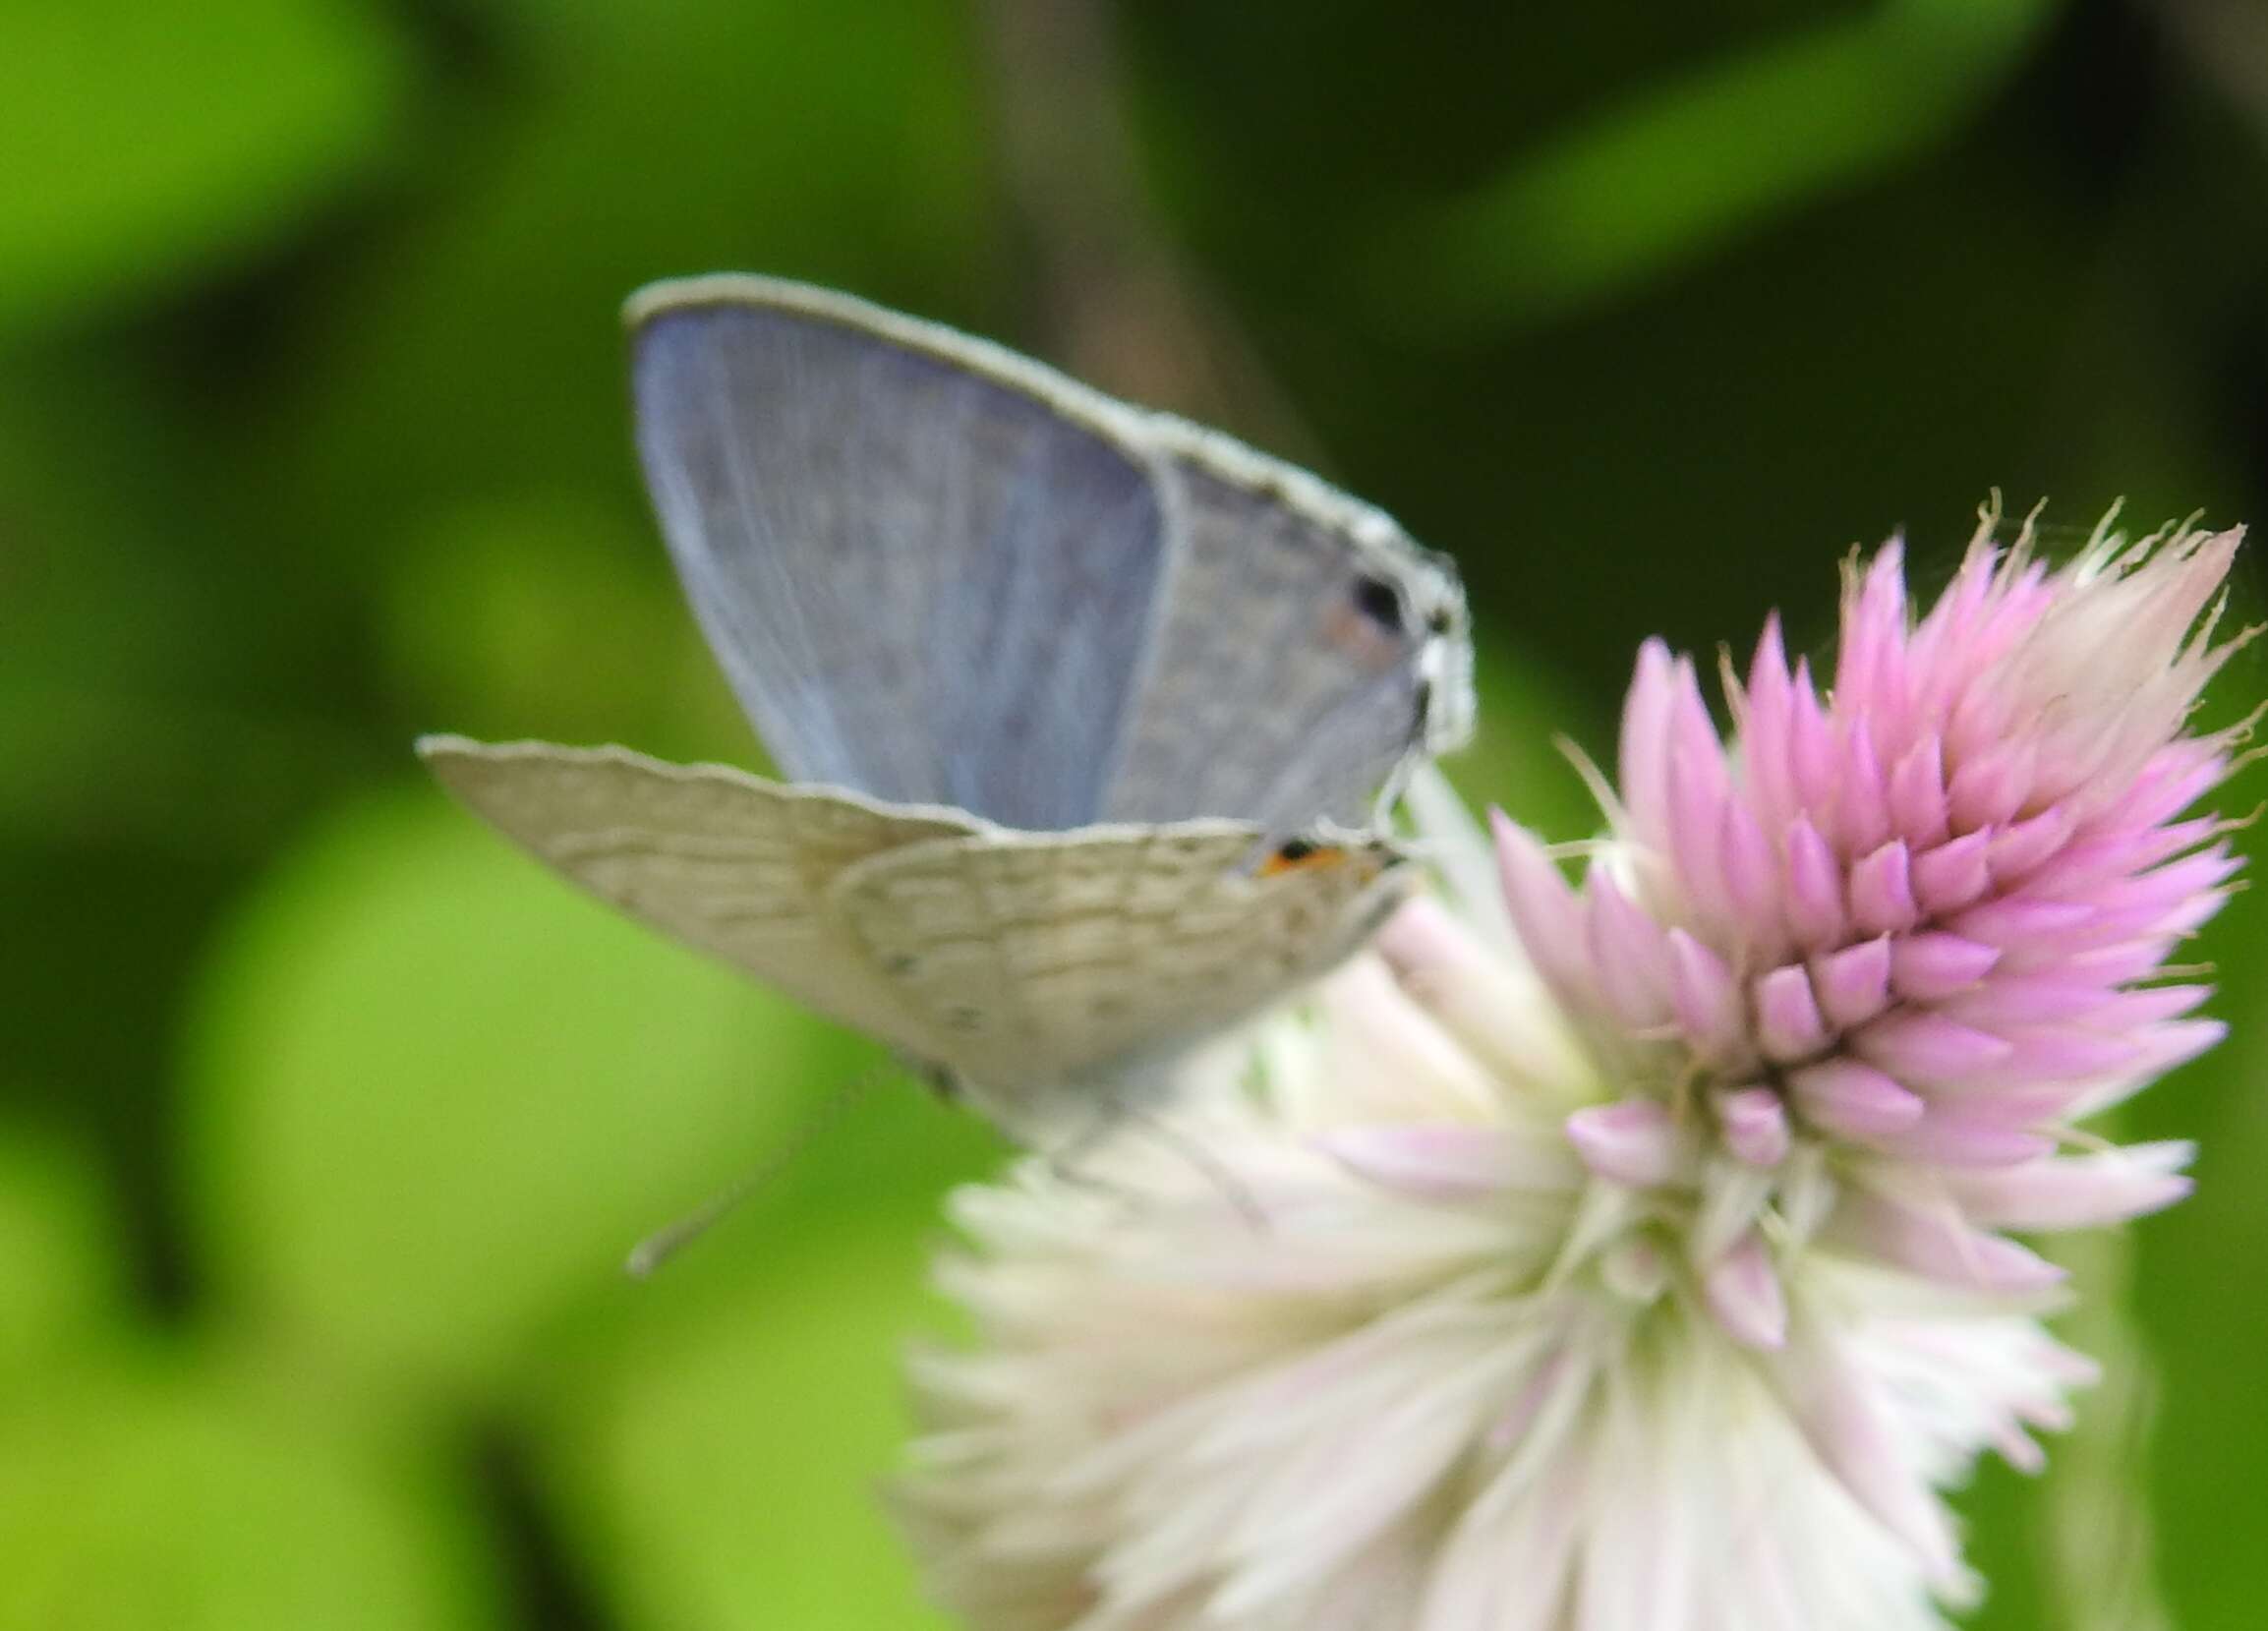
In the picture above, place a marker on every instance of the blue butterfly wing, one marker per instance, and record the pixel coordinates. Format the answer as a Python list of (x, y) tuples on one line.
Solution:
[(938, 572), (926, 580)]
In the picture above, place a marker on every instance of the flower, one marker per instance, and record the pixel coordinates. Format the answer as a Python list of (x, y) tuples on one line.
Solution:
[(1629, 1256), (1904, 929)]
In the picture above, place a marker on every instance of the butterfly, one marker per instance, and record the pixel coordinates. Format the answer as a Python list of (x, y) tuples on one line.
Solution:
[(1090, 718)]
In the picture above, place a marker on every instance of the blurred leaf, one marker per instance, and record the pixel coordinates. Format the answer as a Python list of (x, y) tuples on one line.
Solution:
[(844, 143), (1683, 166), (725, 1477), (1517, 762), (146, 135), (148, 1493), (2096, 1546), (59, 1270), (94, 767), (436, 1091), (515, 619), (2201, 1284)]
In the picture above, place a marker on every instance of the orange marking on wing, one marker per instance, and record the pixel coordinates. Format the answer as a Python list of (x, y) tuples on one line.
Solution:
[(1302, 855)]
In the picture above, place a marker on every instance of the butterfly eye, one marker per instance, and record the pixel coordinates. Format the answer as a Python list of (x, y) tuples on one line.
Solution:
[(1376, 600)]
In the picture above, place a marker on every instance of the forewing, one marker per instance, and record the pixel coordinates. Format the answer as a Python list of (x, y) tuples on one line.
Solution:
[(926, 564), (735, 865), (1306, 652), (1045, 960)]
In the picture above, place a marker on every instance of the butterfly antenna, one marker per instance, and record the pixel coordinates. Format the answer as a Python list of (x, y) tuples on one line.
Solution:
[(664, 1244)]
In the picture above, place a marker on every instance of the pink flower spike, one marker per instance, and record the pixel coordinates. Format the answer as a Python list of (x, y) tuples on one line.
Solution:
[(1645, 746), (1788, 1024), (1764, 734), (1485, 999), (1544, 910), (2080, 1192), (2141, 1010), (1988, 790), (2173, 780), (1881, 897), (1704, 998), (1981, 717), (2174, 1043), (1629, 957), (1917, 796), (1923, 1048), (2013, 921), (2088, 861), (1813, 890), (2020, 1450), (1767, 669), (2191, 916), (2017, 850), (2049, 1415), (1866, 822), (1445, 1160), (1873, 629), (1950, 1135), (1930, 966), (2115, 964), (2174, 883), (1853, 984), (1692, 732), (2024, 1103), (1812, 748), (1633, 1143), (1743, 1292), (2026, 1000), (1851, 1101), (1953, 874), (1842, 1419), (1751, 869), (1938, 1248), (2129, 852), (1754, 1125), (2046, 1054), (1697, 799)]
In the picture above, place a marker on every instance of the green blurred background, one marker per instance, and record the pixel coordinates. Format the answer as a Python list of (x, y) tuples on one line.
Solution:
[(324, 1120)]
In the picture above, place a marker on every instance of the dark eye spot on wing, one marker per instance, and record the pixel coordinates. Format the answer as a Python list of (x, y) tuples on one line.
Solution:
[(1377, 601), (1441, 621), (1299, 855), (1313, 855)]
